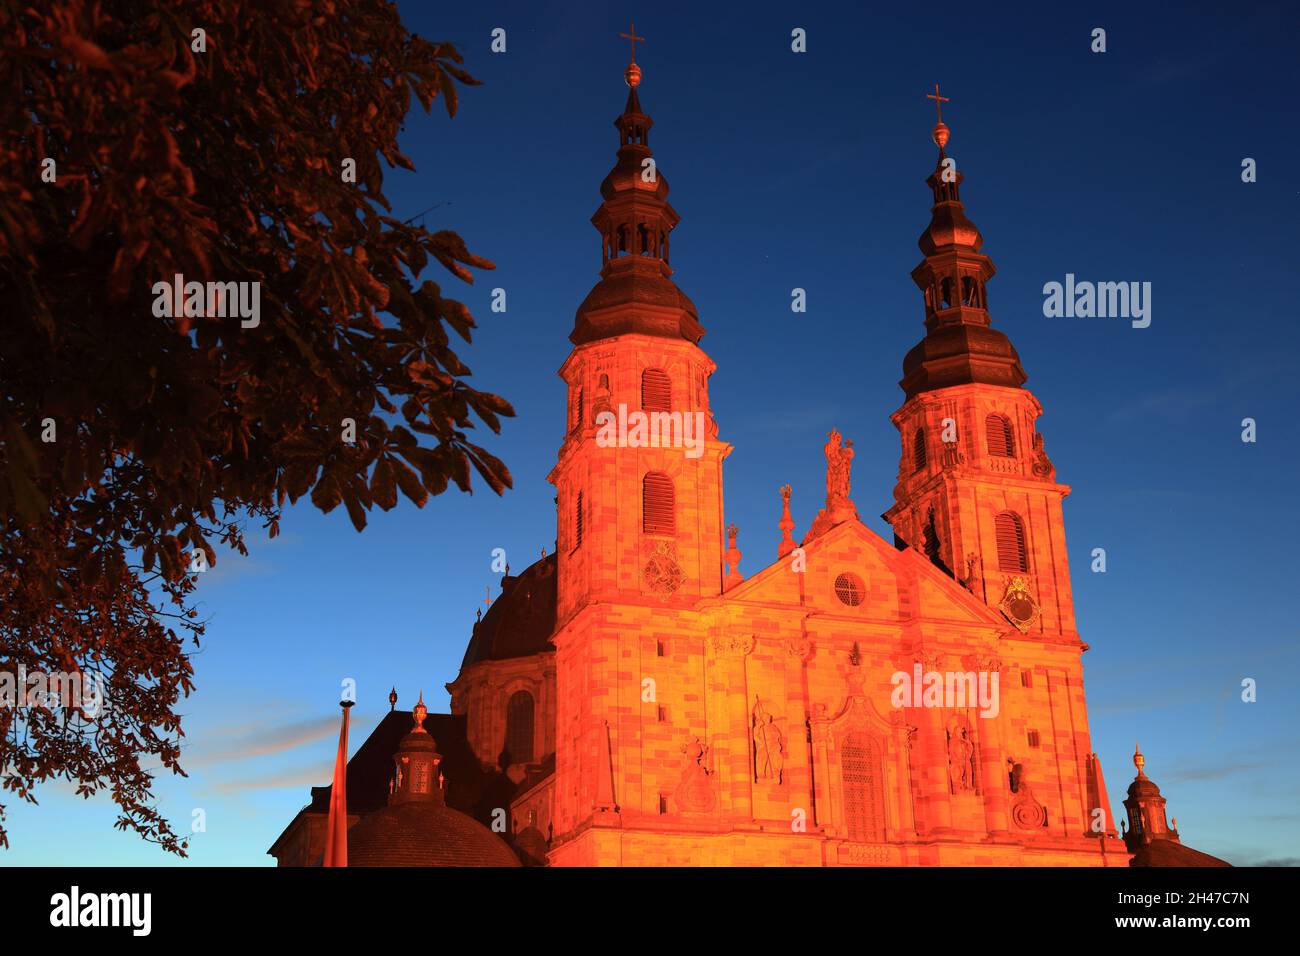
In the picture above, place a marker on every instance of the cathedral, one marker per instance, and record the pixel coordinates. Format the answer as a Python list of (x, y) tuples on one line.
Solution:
[(633, 699)]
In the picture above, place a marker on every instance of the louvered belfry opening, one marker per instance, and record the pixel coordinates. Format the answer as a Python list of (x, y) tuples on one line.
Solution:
[(1002, 442), (659, 512), (918, 450), (1011, 542), (656, 391), (577, 522)]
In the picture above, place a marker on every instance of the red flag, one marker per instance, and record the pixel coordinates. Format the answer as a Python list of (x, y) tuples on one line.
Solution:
[(336, 831)]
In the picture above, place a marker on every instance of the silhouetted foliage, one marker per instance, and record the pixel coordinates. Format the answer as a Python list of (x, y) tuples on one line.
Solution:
[(170, 434)]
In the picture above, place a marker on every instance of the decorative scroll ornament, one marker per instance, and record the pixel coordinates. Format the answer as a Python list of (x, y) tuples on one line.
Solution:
[(1042, 466), (662, 572), (987, 663), (731, 645), (1026, 812), (1018, 604), (694, 794), (800, 646)]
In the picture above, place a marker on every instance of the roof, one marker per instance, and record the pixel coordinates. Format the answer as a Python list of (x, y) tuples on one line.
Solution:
[(425, 833), (371, 766), (520, 621), (1172, 853)]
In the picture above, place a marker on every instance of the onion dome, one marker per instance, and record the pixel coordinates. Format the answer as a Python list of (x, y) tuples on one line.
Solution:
[(960, 346), (417, 828), (521, 621), (636, 293)]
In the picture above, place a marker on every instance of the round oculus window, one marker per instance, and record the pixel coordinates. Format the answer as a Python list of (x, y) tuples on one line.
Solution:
[(850, 589)]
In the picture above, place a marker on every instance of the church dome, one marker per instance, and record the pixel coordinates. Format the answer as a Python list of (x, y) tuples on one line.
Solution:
[(960, 354), (417, 828), (628, 175), (521, 620), (425, 834), (949, 226), (636, 298)]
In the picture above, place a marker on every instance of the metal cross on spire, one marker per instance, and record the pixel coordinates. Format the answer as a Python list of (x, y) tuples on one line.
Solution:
[(937, 101), (632, 38)]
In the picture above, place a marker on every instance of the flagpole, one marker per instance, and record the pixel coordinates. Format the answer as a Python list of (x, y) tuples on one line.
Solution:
[(336, 831)]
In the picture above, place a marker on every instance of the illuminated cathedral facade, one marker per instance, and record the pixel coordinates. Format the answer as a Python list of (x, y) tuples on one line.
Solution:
[(632, 699)]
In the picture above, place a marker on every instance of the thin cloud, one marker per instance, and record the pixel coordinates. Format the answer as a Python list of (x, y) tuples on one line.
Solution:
[(265, 742), (285, 779), (1215, 772)]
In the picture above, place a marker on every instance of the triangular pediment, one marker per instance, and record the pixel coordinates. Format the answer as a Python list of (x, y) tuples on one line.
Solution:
[(849, 563)]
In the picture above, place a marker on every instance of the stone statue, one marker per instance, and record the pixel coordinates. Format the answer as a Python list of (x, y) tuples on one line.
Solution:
[(839, 461), (769, 746), (960, 754), (839, 507)]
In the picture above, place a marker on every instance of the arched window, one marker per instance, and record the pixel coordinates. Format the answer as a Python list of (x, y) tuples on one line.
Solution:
[(1010, 531), (1002, 441), (918, 450), (519, 727), (656, 391), (580, 409), (864, 803), (577, 522), (658, 505)]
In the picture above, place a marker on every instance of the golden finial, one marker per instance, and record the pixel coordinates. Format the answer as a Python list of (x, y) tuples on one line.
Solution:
[(1139, 761), (633, 72), (418, 713), (487, 594), (940, 134)]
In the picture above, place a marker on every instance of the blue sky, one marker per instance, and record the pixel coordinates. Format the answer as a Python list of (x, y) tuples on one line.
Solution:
[(807, 171)]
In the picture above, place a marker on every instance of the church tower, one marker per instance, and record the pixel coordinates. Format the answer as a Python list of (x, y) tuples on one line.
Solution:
[(976, 492), (639, 486), (638, 477)]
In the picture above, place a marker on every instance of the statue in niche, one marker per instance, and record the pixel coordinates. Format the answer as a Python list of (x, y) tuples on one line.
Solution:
[(602, 403), (961, 759), (933, 546), (769, 746), (972, 572)]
